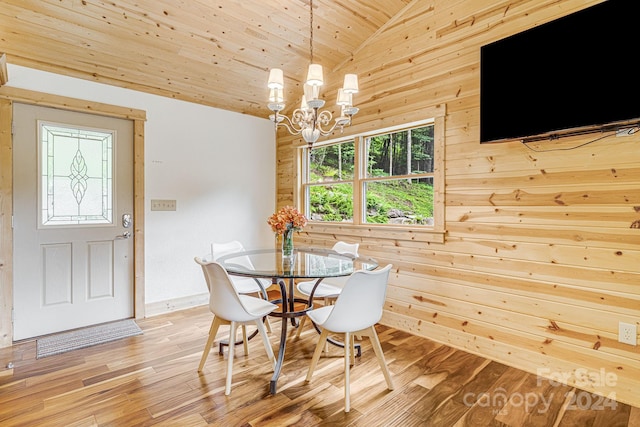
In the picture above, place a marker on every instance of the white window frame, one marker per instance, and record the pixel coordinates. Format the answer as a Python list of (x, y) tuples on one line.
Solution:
[(437, 118)]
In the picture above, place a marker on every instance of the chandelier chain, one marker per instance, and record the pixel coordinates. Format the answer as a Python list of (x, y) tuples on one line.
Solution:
[(311, 30)]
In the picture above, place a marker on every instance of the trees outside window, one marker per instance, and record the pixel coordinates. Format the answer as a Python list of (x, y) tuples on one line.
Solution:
[(330, 182), (391, 172), (398, 183)]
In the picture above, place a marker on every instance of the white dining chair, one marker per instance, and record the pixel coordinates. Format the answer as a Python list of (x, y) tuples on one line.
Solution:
[(244, 285), (356, 311), (232, 308), (329, 289)]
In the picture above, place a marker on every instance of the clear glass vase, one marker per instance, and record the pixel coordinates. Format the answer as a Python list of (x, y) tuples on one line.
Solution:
[(287, 243)]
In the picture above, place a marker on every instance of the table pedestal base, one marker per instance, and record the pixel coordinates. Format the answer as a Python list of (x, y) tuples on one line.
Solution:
[(288, 312)]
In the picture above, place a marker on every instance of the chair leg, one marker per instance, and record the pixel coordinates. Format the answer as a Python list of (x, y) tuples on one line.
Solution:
[(267, 324), (245, 341), (377, 349), (348, 338), (300, 325), (327, 302), (266, 318), (213, 330), (352, 344), (267, 344), (232, 335), (316, 354)]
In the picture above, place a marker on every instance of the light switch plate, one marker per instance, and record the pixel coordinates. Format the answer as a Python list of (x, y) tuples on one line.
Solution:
[(163, 205)]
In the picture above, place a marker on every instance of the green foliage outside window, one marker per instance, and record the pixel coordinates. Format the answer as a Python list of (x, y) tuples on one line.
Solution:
[(406, 199), (332, 163), (331, 202), (391, 154), (400, 201)]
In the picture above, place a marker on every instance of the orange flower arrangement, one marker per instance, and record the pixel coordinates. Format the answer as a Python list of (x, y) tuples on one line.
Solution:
[(286, 219)]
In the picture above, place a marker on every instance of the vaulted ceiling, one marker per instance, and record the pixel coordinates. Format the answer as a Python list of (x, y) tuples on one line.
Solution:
[(213, 52)]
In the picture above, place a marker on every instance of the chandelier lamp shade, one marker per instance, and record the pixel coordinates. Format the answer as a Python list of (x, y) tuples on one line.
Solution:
[(310, 120)]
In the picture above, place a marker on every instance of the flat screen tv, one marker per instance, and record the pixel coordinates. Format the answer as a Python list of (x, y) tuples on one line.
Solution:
[(576, 74)]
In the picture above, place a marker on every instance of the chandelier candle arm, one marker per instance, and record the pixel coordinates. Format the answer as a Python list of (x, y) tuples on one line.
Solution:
[(308, 121)]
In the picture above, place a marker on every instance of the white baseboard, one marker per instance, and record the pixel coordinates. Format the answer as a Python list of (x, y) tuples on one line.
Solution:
[(168, 306)]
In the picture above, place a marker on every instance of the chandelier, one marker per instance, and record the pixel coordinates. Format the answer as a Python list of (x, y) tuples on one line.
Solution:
[(309, 120)]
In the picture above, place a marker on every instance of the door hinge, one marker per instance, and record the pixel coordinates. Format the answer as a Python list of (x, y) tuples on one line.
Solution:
[(13, 127)]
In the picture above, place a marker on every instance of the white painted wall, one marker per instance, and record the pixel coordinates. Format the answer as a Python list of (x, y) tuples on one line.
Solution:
[(218, 165)]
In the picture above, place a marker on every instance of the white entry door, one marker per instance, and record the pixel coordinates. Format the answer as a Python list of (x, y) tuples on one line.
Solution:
[(72, 220)]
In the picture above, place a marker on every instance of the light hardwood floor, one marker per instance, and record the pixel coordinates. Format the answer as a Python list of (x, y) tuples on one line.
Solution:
[(152, 379)]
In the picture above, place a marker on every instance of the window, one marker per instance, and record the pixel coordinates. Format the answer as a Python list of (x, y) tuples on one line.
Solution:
[(76, 175), (385, 177), (398, 179), (330, 182)]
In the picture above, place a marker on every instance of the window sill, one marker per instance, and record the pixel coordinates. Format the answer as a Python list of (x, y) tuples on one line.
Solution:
[(378, 231)]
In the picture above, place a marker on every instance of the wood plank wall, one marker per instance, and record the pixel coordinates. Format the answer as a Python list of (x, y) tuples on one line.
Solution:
[(541, 259)]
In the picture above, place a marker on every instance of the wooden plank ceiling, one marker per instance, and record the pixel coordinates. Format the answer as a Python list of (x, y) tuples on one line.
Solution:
[(212, 52)]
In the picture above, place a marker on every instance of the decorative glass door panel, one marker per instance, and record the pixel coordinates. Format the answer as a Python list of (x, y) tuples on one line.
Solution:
[(76, 175)]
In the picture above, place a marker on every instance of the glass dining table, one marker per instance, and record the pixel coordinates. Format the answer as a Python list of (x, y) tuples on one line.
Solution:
[(305, 263)]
